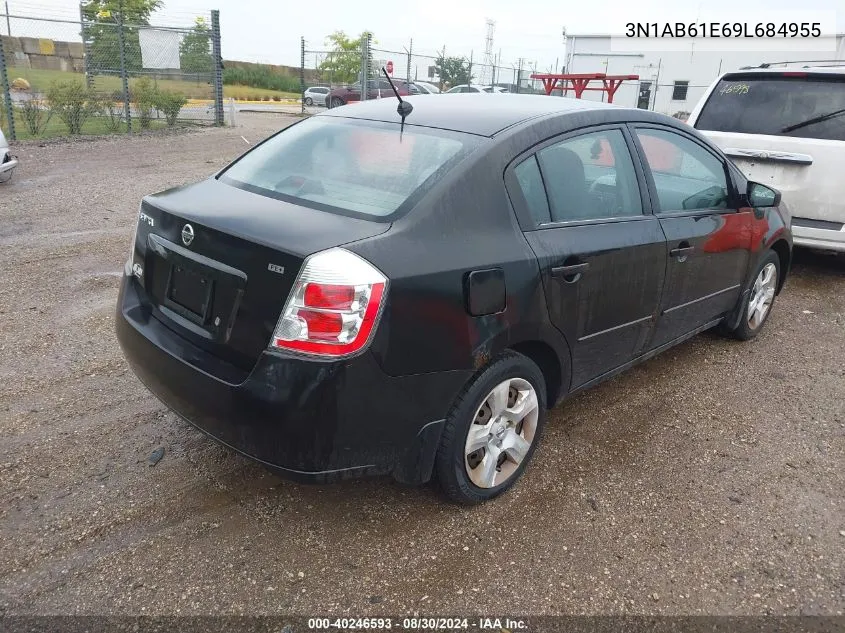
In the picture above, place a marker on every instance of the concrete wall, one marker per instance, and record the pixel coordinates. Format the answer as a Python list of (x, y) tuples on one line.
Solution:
[(43, 54)]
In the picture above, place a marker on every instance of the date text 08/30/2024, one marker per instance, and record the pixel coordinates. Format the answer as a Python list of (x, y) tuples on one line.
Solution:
[(723, 29)]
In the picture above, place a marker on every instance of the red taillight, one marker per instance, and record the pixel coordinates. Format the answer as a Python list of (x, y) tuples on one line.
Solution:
[(793, 73), (329, 296), (322, 326), (334, 306)]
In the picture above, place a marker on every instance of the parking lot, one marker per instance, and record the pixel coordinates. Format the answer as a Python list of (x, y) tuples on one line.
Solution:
[(710, 480)]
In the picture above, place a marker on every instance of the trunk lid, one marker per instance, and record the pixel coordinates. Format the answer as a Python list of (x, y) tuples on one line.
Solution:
[(217, 262)]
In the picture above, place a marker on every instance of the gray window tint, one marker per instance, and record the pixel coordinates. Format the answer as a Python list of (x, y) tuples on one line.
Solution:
[(350, 165), (686, 175), (531, 184), (590, 177)]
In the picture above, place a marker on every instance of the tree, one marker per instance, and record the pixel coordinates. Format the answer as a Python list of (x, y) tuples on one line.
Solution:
[(100, 31), (195, 49), (343, 63), (452, 70)]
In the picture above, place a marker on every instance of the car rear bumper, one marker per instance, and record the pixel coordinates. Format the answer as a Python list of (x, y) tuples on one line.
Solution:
[(312, 421), (9, 165), (819, 238)]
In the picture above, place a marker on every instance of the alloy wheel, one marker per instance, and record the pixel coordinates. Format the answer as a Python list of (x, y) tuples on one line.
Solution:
[(762, 296)]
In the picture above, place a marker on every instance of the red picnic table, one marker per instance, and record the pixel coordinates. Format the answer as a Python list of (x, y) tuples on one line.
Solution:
[(581, 82)]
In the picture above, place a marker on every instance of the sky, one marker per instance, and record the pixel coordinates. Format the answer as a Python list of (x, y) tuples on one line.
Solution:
[(269, 31)]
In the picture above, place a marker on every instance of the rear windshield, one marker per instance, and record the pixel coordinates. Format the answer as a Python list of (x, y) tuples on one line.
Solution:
[(782, 106), (358, 167)]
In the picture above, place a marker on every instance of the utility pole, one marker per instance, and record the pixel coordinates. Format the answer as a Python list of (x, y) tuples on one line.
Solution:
[(9, 25), (519, 76)]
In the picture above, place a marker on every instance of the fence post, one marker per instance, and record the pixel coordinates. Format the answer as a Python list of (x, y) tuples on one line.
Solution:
[(365, 66), (302, 75), (410, 50), (217, 55), (89, 80), (7, 95), (469, 72), (124, 77)]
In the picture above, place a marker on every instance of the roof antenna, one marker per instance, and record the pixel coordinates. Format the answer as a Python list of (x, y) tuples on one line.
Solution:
[(404, 108)]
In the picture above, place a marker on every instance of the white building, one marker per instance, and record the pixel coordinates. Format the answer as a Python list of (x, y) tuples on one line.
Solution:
[(672, 81)]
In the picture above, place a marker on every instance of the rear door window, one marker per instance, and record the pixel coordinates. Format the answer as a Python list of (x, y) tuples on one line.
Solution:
[(802, 106), (365, 168), (590, 176), (531, 184)]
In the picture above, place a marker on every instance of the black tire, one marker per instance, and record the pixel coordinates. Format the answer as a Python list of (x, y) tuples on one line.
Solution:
[(309, 101), (336, 102), (450, 464), (745, 331)]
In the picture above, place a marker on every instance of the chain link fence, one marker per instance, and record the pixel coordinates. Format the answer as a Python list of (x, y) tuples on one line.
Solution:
[(100, 75), (333, 78)]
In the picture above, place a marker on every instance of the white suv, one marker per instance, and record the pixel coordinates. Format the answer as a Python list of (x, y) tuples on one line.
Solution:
[(7, 161), (785, 127)]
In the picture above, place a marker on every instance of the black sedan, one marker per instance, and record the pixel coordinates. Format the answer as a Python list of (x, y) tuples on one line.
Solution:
[(359, 295)]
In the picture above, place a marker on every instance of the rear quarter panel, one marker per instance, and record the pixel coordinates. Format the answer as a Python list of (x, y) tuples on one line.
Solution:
[(464, 223)]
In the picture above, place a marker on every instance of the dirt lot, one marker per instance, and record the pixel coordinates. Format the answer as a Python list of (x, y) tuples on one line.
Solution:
[(708, 480)]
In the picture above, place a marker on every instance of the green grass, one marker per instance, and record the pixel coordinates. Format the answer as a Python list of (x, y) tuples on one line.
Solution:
[(40, 80), (260, 76), (255, 94), (93, 126)]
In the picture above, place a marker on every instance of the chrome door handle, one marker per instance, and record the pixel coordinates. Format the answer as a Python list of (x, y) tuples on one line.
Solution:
[(681, 250), (569, 271)]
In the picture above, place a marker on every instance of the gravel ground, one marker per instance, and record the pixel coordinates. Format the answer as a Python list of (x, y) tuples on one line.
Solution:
[(710, 480)]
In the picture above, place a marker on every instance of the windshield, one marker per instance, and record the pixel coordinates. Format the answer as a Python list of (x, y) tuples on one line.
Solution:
[(361, 167), (782, 106)]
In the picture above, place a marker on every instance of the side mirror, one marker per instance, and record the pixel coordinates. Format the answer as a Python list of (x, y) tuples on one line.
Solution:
[(762, 196)]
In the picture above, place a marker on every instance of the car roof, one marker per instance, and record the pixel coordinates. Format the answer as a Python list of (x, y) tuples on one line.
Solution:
[(465, 113)]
